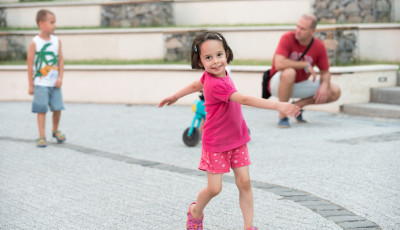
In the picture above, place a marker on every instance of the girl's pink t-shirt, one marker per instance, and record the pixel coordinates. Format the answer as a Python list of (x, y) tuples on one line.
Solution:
[(225, 127)]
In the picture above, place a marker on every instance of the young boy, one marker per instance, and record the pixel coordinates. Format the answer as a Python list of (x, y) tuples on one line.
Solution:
[(45, 74)]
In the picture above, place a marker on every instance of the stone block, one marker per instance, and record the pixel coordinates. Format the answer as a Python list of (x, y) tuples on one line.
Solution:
[(357, 224), (366, 4), (353, 11), (137, 14)]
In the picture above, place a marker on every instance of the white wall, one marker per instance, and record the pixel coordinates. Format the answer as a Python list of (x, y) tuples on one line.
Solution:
[(239, 12), (117, 46), (396, 10), (66, 16), (253, 45), (88, 14), (380, 44)]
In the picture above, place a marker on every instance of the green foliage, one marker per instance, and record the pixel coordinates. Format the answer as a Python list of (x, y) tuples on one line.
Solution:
[(36, 0)]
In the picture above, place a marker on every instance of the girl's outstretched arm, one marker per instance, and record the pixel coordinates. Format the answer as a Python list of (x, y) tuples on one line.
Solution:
[(283, 107), (195, 86)]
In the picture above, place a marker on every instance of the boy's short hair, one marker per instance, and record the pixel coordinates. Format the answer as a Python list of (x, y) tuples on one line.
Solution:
[(41, 15), (198, 41)]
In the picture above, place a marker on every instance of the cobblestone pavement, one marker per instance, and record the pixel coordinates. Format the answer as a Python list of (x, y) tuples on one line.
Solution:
[(126, 167)]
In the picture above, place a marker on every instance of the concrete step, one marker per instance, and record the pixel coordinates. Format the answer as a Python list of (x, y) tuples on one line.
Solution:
[(372, 110), (398, 78), (386, 95)]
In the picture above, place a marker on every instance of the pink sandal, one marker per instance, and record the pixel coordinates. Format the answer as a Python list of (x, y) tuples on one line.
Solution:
[(252, 228), (193, 223)]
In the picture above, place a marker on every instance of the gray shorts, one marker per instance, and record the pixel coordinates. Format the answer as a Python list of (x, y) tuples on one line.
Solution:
[(302, 89), (44, 97)]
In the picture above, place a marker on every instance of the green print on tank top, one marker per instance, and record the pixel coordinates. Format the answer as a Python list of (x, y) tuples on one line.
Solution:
[(46, 57)]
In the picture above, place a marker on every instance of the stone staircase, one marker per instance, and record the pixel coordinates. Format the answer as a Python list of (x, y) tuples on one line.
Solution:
[(384, 102)]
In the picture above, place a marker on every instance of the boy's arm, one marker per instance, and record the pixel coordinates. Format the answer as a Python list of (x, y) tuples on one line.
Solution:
[(195, 86), (60, 65), (30, 58), (284, 107)]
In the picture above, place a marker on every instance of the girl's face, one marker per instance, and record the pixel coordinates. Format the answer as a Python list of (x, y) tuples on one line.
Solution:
[(213, 57), (49, 25)]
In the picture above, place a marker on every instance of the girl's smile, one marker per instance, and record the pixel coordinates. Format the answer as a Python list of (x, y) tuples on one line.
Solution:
[(213, 57)]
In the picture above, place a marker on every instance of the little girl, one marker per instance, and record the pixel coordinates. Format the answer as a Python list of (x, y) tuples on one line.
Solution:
[(225, 133)]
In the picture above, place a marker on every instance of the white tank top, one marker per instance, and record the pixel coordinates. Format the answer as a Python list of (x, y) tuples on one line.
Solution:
[(45, 66)]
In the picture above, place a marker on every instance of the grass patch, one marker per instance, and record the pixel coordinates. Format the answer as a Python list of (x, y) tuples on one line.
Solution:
[(371, 62), (125, 62), (140, 27), (171, 26), (251, 62), (12, 62), (163, 62)]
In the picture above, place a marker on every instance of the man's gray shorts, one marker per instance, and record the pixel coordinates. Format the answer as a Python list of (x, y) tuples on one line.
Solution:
[(302, 89), (43, 97)]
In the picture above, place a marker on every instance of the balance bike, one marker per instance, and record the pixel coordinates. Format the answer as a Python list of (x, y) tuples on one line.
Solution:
[(191, 136)]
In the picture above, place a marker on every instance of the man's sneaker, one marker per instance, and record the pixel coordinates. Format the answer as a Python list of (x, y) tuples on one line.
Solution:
[(300, 118), (283, 123)]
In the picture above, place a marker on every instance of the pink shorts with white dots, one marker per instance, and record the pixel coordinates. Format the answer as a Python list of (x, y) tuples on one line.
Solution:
[(221, 162)]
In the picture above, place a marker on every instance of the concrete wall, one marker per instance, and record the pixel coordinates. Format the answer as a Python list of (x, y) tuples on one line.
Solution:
[(254, 44), (151, 83), (88, 14), (186, 12), (239, 12), (116, 46), (67, 15), (396, 10), (379, 44), (376, 42)]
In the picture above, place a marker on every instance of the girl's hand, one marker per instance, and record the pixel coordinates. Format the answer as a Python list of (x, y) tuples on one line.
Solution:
[(169, 101), (289, 109)]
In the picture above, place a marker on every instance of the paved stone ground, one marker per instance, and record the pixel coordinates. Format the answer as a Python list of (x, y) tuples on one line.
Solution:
[(126, 167)]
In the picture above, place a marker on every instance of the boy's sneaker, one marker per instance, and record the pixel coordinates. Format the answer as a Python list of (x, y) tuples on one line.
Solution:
[(300, 118), (283, 123), (193, 223)]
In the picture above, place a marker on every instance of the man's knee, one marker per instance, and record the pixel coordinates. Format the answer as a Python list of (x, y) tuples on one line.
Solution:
[(288, 75), (335, 92)]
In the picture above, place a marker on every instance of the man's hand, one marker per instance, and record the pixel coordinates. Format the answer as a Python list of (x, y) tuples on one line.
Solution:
[(321, 96), (309, 69)]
